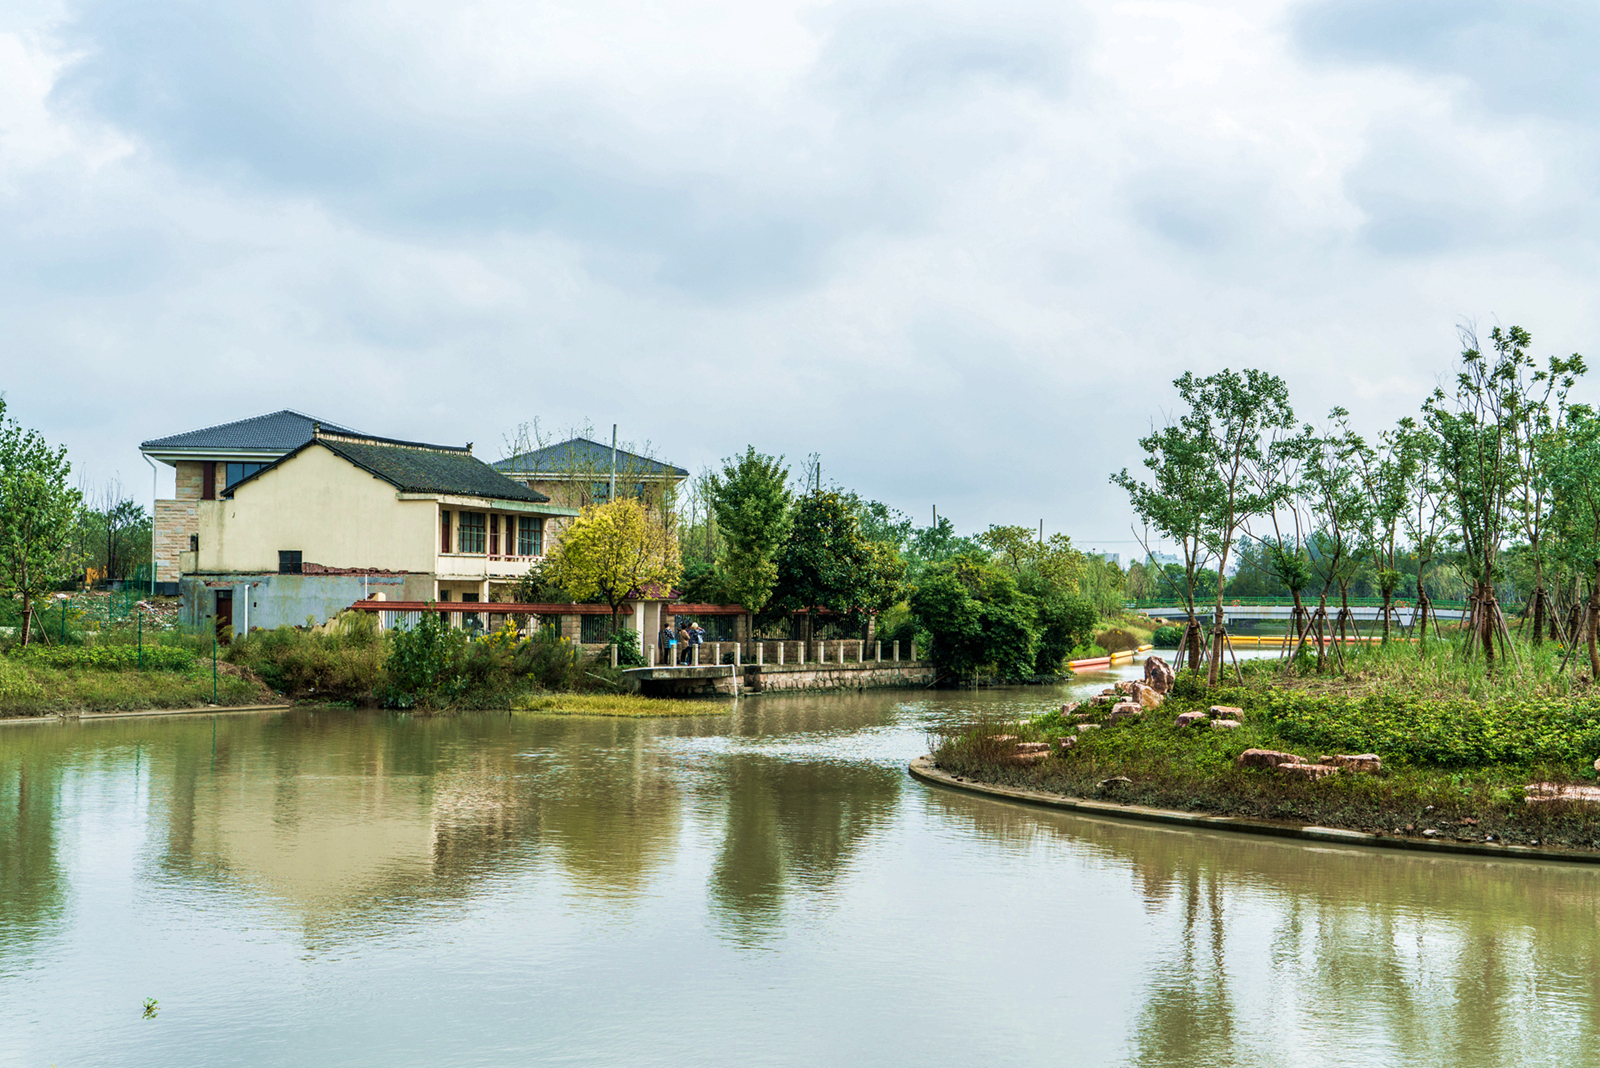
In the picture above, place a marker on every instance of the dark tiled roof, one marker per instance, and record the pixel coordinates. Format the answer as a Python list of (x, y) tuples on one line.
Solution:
[(583, 456), (280, 431), (415, 468)]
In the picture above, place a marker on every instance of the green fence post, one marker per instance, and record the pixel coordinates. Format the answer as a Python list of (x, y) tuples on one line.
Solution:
[(141, 640), (63, 622), (213, 668)]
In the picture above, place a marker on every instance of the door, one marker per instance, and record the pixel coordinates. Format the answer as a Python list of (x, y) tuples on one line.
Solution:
[(224, 616)]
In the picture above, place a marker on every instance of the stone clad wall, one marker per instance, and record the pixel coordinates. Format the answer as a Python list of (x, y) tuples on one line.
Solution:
[(770, 678), (175, 521)]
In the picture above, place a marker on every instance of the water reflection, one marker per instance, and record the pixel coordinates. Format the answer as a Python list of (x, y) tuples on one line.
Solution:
[(607, 879)]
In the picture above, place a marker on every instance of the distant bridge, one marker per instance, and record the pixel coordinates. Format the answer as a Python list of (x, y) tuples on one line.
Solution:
[(1402, 613)]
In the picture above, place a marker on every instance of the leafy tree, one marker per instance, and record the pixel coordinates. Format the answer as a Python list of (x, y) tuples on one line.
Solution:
[(1019, 551), (38, 514), (1338, 508), (1572, 461), (613, 552), (977, 617), (1387, 475), (752, 503), (827, 562), (1064, 622)]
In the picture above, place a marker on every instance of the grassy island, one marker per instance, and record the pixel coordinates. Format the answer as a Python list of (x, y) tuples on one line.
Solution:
[(1459, 747)]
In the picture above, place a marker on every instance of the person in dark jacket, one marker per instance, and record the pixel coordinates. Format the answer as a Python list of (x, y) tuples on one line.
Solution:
[(666, 641)]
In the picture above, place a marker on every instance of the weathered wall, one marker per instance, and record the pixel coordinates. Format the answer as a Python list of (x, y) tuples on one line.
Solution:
[(190, 479), (286, 600)]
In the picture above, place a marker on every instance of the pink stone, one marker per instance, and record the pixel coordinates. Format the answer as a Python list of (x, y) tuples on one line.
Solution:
[(1126, 709), (1189, 718), (1368, 762), (1227, 712), (1545, 791), (1225, 724)]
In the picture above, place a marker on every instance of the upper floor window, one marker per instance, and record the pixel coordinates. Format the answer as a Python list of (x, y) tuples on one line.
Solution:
[(530, 536), (239, 472), (289, 562), (470, 529), (599, 492), (444, 531)]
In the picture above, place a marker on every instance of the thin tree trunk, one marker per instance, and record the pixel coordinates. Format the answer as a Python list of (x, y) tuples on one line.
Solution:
[(1594, 610), (1538, 614), (27, 617)]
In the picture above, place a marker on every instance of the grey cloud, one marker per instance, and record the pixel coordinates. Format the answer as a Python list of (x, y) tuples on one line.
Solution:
[(272, 97), (1519, 56)]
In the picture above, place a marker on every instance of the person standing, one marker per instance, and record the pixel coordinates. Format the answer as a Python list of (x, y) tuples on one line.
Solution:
[(666, 641)]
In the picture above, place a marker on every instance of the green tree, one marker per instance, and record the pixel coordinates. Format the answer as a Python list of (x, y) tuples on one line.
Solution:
[(977, 617), (613, 552), (38, 516), (827, 563), (752, 504), (1571, 461)]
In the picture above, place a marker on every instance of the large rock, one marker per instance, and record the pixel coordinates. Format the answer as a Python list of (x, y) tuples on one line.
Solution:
[(1069, 708), (1190, 718), (1227, 712), (1225, 724), (1368, 762), (1158, 674), (1033, 747), (1088, 727), (1147, 696), (1126, 710), (1537, 792), (1306, 771), (1265, 758)]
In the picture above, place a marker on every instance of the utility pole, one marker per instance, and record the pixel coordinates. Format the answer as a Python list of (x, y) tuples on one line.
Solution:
[(1041, 532), (613, 493)]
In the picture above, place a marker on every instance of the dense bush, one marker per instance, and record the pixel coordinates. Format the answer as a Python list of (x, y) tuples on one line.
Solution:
[(1065, 623), (342, 661), (1167, 637), (425, 661)]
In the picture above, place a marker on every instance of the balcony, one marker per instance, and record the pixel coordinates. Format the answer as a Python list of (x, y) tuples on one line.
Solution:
[(482, 565)]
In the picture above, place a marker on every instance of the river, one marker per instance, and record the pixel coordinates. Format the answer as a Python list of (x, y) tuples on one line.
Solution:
[(763, 888)]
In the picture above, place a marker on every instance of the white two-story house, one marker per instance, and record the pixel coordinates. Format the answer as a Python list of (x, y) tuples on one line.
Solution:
[(344, 516)]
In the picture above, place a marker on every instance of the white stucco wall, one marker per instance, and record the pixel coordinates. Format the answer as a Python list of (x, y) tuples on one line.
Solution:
[(335, 513)]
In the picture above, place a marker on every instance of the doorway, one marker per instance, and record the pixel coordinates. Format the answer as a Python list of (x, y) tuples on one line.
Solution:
[(224, 616)]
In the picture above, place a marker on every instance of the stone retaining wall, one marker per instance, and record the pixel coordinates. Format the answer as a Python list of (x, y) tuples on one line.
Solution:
[(772, 678)]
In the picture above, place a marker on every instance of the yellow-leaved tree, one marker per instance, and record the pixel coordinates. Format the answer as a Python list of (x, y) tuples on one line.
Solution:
[(613, 552)]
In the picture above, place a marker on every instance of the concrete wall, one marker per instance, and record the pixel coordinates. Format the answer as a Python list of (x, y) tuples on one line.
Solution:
[(286, 600), (335, 513)]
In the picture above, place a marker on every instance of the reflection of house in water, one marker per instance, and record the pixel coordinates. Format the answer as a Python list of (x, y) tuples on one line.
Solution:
[(360, 816)]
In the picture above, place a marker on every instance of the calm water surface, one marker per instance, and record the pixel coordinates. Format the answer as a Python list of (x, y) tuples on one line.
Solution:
[(763, 888)]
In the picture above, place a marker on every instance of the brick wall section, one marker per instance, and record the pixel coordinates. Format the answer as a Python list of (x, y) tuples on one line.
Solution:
[(175, 521), (190, 480)]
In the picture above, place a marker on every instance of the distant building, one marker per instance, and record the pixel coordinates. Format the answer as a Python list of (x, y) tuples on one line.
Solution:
[(1110, 558), (578, 472)]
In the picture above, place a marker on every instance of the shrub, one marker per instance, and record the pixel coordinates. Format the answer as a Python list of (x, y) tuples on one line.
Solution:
[(343, 660), (424, 661), (1117, 640), (1166, 637), (16, 683), (108, 657), (629, 652)]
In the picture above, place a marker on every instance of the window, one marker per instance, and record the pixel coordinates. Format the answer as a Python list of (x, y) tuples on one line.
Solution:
[(444, 531), (494, 535), (289, 562), (444, 595), (239, 472), (530, 536), (469, 532), (600, 492)]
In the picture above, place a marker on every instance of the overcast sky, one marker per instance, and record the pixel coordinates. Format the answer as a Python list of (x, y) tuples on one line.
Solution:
[(959, 249)]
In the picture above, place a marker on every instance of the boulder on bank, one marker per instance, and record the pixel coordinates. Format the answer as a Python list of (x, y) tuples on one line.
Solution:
[(1188, 719), (1265, 758), (1306, 771), (1227, 712), (1147, 696), (1225, 724), (1158, 674), (1537, 792), (1069, 708), (1126, 710), (1367, 762)]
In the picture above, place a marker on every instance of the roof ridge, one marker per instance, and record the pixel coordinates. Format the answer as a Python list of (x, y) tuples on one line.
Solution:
[(319, 434)]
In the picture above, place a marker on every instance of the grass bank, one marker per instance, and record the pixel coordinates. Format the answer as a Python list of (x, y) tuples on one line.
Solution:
[(347, 661), (1458, 748)]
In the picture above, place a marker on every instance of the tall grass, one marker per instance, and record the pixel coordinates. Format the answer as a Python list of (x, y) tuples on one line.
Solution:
[(1440, 668)]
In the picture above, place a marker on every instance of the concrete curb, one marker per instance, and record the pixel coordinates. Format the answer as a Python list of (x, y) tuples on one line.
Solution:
[(141, 713), (924, 769)]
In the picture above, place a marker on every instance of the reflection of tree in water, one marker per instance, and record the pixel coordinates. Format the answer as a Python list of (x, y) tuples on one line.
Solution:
[(32, 888), (791, 824), (1384, 957)]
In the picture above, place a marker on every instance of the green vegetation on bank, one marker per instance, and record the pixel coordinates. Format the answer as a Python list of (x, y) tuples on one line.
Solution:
[(1458, 747)]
